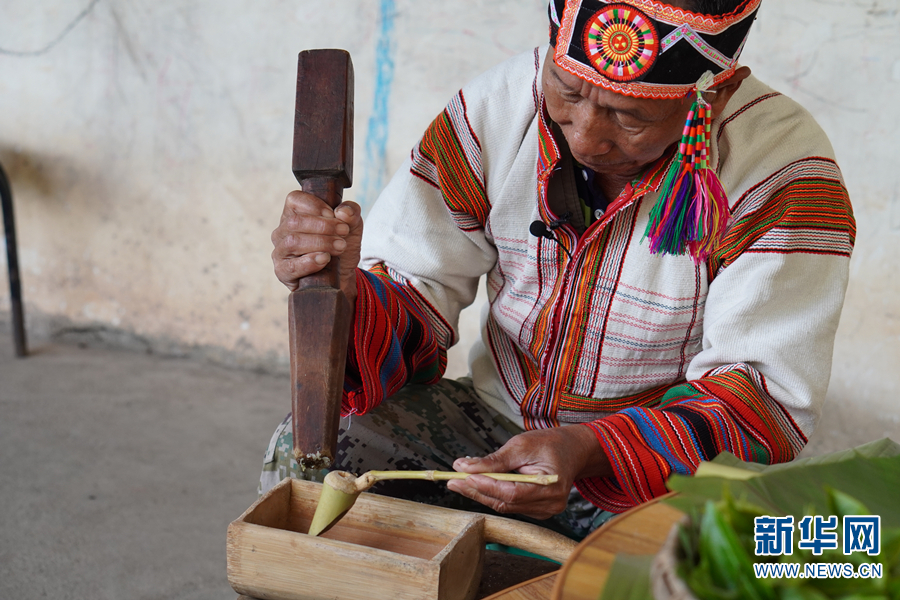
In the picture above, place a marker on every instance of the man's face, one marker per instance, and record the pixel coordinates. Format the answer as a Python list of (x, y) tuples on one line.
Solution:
[(612, 134)]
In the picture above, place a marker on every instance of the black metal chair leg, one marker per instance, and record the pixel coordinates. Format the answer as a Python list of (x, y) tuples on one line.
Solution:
[(12, 259)]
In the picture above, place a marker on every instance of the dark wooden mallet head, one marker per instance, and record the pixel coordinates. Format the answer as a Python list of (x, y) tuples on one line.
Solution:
[(323, 119), (318, 312)]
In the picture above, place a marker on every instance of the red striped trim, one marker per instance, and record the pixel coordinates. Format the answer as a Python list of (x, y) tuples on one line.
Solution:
[(806, 215), (729, 410), (451, 151), (575, 403), (392, 342)]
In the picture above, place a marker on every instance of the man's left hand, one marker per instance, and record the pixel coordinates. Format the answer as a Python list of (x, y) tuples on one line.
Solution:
[(572, 452)]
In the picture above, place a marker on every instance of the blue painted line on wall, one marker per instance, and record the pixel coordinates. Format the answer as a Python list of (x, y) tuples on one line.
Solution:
[(374, 173)]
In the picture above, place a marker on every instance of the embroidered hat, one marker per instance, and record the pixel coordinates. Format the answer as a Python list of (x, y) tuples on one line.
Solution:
[(645, 48)]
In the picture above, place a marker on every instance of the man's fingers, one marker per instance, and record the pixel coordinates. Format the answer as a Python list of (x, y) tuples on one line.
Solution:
[(309, 225), (302, 224), (492, 463), (531, 452), (289, 268), (310, 234), (508, 497), (298, 202), (487, 491), (295, 245), (289, 271), (305, 213), (348, 212)]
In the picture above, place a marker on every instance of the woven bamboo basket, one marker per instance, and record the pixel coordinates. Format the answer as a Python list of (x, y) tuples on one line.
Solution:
[(665, 581)]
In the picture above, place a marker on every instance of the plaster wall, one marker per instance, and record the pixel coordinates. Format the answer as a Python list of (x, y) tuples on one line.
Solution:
[(148, 145)]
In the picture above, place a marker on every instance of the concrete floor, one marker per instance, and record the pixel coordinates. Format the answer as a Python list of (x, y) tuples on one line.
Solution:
[(122, 470)]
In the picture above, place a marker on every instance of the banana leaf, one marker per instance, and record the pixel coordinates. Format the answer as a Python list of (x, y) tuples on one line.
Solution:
[(629, 578), (869, 473)]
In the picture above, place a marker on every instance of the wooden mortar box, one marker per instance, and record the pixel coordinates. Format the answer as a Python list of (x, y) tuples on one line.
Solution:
[(383, 548)]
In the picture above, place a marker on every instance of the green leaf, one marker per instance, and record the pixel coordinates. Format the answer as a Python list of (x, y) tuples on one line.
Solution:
[(714, 469), (800, 593), (861, 481), (883, 448), (870, 474), (629, 578), (842, 505), (729, 563)]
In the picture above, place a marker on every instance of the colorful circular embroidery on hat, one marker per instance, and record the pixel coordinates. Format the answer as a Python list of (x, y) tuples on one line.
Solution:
[(621, 42)]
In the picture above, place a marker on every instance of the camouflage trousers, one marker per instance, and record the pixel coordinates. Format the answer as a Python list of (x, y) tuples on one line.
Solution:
[(422, 427)]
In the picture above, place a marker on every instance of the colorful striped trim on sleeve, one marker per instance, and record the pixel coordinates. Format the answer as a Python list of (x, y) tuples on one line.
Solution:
[(728, 410), (392, 342), (572, 405), (804, 208), (449, 158)]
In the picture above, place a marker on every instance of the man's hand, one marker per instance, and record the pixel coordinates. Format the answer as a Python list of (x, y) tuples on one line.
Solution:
[(310, 234), (572, 452)]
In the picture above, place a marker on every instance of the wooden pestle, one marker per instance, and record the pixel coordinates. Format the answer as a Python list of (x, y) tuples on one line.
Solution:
[(319, 313)]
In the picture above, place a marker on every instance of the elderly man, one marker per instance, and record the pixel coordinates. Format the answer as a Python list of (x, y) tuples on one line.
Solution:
[(666, 243)]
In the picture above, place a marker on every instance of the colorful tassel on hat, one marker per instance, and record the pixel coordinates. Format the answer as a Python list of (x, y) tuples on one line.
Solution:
[(692, 211)]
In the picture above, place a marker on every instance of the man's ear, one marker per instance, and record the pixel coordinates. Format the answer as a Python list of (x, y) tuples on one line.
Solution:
[(726, 89)]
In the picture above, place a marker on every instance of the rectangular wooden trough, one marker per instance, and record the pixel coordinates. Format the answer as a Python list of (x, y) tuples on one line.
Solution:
[(382, 549)]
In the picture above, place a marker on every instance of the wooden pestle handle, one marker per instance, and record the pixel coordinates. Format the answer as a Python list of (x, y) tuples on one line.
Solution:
[(528, 537)]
